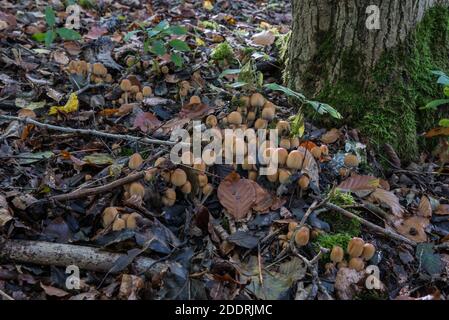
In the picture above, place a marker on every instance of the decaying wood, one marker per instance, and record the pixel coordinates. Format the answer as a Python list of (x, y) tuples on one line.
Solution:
[(63, 255)]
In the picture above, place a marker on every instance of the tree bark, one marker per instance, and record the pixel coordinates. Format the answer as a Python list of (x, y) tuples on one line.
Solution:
[(333, 55)]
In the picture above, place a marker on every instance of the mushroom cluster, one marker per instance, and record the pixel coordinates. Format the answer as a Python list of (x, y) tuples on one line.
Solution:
[(133, 92), (97, 71), (358, 253), (114, 220), (301, 235)]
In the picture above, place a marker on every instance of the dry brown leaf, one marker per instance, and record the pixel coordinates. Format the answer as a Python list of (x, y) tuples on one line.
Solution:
[(130, 287), (146, 121), (194, 110), (264, 200), (412, 228), (236, 195), (264, 38), (310, 167), (425, 208), (359, 183), (331, 136), (439, 131), (52, 291), (173, 124), (442, 210), (389, 199), (347, 283)]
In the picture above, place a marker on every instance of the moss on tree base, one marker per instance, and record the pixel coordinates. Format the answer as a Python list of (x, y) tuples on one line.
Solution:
[(384, 101)]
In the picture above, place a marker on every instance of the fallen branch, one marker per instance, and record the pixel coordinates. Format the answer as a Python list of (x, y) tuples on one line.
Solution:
[(89, 131), (63, 255), (372, 226), (78, 194)]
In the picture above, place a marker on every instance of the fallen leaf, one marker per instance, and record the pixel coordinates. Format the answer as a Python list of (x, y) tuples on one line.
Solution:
[(310, 167), (71, 106), (98, 159), (347, 283), (439, 131), (429, 261), (194, 110), (130, 286), (389, 199), (96, 32), (442, 210), (359, 183), (5, 214), (264, 38), (146, 121), (412, 228), (264, 200), (52, 291), (331, 136), (236, 195), (425, 208)]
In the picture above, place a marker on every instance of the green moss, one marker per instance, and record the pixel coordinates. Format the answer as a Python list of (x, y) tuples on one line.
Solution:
[(341, 198), (386, 108), (209, 25), (371, 295), (328, 241), (223, 51)]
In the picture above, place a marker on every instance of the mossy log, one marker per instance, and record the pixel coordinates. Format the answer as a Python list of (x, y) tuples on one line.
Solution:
[(377, 78)]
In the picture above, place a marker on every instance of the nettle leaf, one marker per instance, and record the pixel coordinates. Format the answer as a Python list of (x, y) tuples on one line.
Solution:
[(50, 36), (39, 36), (50, 16), (179, 45), (435, 104), (177, 30), (158, 48), (176, 59), (68, 34)]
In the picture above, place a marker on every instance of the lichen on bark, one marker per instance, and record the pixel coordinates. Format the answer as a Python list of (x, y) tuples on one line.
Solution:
[(383, 100)]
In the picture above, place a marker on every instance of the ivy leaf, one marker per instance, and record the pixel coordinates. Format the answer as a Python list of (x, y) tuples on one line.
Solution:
[(50, 36), (176, 59), (158, 48), (435, 104), (68, 34), (179, 45), (50, 17)]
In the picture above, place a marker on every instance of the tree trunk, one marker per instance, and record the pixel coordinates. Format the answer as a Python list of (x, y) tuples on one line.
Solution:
[(376, 75)]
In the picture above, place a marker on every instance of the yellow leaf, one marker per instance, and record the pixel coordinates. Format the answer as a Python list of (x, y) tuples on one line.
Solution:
[(70, 106), (208, 5), (199, 42)]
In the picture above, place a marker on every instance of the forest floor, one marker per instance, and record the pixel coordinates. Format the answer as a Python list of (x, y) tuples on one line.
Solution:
[(104, 214)]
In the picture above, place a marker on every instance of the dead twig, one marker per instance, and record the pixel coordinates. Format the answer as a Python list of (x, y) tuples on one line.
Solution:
[(90, 132), (78, 194), (5, 295)]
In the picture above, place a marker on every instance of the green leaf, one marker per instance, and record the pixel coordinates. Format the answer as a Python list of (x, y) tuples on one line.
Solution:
[(176, 59), (29, 157), (50, 36), (158, 48), (444, 123), (323, 108), (179, 45), (50, 16), (229, 71), (435, 104), (146, 45), (238, 84), (287, 91), (297, 125), (177, 30), (430, 261), (68, 34), (99, 159), (130, 34), (161, 25), (39, 36)]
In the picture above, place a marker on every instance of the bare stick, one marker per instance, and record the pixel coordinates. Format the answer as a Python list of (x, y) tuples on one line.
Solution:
[(63, 255), (385, 232), (78, 194), (89, 131), (5, 295)]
